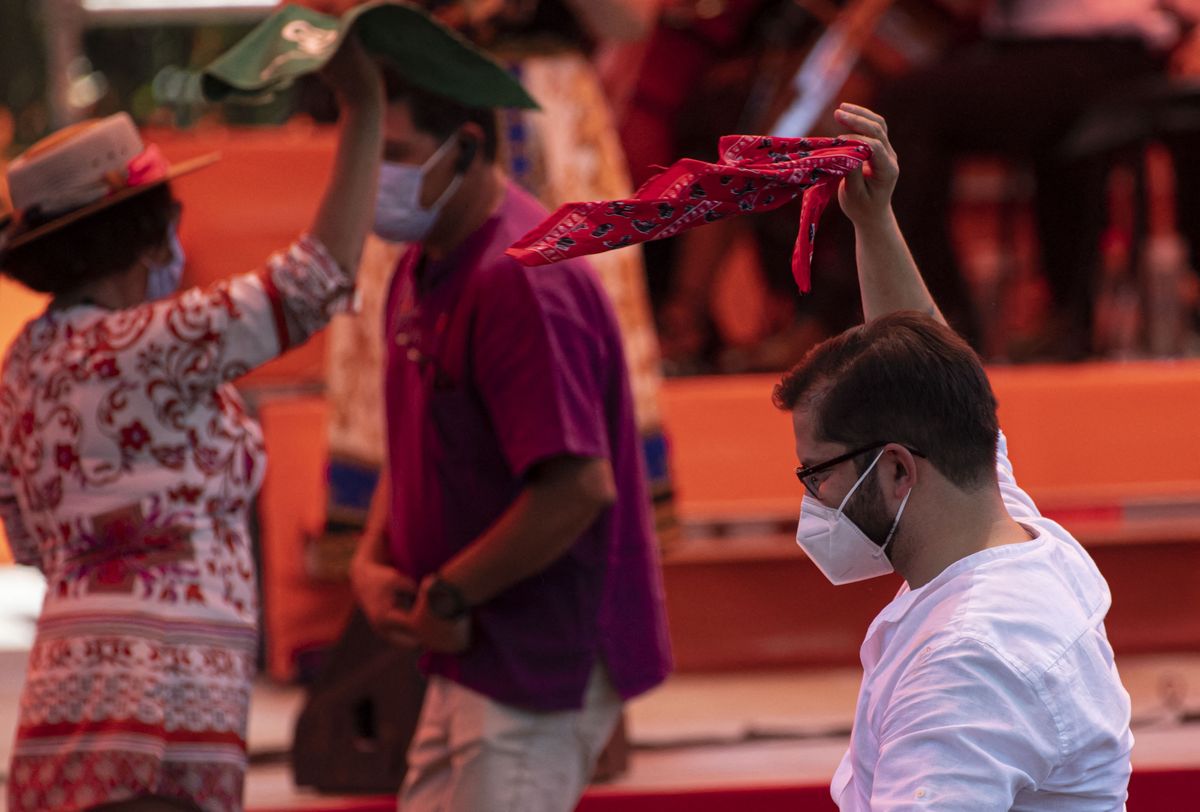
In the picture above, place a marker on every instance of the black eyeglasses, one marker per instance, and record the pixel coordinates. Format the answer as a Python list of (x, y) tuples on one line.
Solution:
[(807, 473)]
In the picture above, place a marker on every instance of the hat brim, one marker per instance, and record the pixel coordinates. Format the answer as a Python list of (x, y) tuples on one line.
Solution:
[(75, 215), (427, 53)]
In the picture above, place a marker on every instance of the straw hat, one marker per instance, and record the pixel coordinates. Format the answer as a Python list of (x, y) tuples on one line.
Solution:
[(80, 170)]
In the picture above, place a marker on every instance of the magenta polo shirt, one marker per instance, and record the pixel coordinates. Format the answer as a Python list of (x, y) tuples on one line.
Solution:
[(493, 367)]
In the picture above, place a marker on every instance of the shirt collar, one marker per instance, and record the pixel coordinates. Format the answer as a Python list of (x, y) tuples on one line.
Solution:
[(906, 598), (430, 272)]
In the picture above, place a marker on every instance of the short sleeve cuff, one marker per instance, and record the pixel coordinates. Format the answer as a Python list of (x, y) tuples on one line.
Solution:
[(308, 287)]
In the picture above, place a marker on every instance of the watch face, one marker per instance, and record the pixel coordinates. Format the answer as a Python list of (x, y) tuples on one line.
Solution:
[(445, 601)]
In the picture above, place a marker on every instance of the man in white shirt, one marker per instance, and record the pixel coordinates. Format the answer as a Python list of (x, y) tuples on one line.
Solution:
[(989, 682)]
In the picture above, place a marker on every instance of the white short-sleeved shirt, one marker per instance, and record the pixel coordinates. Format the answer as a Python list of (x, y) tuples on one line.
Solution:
[(993, 686)]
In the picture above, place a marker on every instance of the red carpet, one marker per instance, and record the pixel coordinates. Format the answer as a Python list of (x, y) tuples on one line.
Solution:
[(1149, 791)]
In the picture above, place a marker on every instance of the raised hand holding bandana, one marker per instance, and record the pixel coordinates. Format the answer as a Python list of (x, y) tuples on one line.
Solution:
[(755, 173)]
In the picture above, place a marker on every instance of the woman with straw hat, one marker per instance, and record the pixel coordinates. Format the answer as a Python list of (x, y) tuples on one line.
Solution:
[(128, 462)]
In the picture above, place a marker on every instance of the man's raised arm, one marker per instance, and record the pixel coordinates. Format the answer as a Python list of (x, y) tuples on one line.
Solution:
[(887, 275)]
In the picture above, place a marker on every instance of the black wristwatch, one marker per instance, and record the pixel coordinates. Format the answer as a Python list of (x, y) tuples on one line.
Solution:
[(445, 599)]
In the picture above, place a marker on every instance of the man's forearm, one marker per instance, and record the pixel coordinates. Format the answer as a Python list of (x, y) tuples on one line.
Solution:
[(543, 523), (887, 275), (372, 547)]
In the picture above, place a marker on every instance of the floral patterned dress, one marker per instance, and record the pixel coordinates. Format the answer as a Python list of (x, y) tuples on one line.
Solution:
[(128, 465)]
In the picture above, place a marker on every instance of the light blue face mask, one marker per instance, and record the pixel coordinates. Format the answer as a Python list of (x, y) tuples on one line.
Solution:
[(399, 215), (164, 277)]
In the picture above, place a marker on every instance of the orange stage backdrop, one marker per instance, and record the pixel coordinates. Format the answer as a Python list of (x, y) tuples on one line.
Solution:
[(1111, 449)]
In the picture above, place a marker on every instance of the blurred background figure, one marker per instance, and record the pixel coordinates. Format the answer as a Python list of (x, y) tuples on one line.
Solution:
[(1018, 91), (724, 297), (679, 73), (1073, 134), (675, 101)]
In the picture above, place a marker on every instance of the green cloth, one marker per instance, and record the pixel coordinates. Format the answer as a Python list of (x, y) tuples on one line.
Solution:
[(296, 40)]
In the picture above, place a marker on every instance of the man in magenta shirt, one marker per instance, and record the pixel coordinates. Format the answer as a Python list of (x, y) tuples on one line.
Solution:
[(513, 514)]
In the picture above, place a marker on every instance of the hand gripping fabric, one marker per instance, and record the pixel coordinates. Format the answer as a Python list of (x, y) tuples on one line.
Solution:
[(755, 174)]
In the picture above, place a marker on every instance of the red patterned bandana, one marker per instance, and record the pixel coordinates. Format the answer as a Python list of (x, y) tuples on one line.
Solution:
[(755, 173)]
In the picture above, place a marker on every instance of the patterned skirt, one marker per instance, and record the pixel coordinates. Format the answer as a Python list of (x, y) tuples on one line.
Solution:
[(118, 705)]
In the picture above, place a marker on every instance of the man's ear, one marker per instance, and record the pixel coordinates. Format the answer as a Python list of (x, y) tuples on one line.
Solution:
[(905, 473), (468, 147), (470, 139)]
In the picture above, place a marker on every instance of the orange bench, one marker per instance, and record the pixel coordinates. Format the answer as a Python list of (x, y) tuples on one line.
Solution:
[(17, 305), (1111, 450), (1108, 444)]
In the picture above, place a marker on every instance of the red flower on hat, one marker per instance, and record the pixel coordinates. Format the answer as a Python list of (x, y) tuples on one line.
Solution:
[(148, 167)]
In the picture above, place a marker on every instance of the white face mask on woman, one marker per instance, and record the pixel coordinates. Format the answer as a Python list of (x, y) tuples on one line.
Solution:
[(841, 551), (164, 277), (399, 215)]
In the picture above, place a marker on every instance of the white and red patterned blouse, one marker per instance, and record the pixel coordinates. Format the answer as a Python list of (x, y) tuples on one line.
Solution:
[(128, 465)]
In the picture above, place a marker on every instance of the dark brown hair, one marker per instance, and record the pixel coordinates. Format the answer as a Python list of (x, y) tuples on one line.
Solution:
[(101, 244), (902, 378), (439, 116)]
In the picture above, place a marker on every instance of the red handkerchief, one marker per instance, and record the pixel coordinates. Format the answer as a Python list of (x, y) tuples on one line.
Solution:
[(755, 173)]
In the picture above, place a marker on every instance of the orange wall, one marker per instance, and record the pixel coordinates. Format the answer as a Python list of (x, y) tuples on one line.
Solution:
[(17, 306), (300, 611), (1076, 432)]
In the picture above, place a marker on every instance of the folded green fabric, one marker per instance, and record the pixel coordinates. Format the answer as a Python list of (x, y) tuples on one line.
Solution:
[(296, 40)]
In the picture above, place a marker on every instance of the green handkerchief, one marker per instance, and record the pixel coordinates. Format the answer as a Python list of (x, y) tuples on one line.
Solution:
[(296, 40)]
